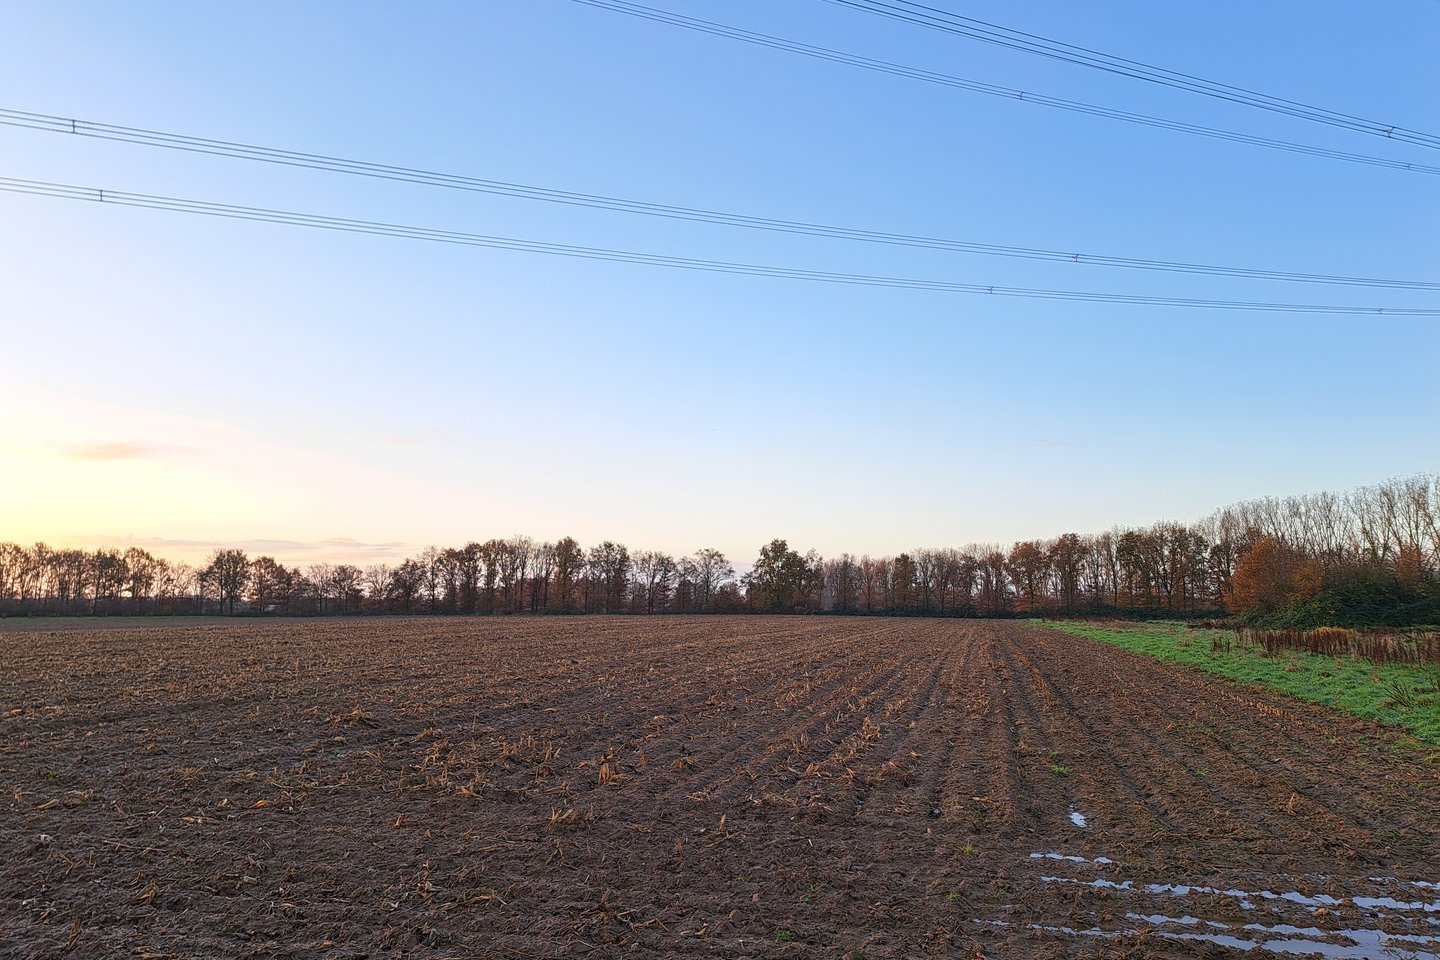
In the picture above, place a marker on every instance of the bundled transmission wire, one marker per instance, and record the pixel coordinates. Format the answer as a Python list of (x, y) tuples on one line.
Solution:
[(935, 18), (976, 86), (263, 215), (175, 141)]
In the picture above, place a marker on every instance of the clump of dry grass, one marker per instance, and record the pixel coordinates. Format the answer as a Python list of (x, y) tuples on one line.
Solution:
[(1379, 646)]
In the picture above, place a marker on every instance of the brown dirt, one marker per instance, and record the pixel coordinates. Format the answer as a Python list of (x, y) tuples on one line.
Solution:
[(761, 787)]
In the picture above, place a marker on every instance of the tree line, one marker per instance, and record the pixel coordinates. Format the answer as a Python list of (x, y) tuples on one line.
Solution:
[(1370, 556)]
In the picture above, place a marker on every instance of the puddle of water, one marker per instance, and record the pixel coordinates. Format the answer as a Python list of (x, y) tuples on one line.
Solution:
[(1188, 921), (1418, 884), (1078, 818), (1375, 903), (1183, 890), (1364, 944), (1373, 938), (1071, 931), (1102, 882), (1364, 951), (1286, 928), (1359, 943), (1246, 897), (1223, 939), (1319, 900), (1070, 859)]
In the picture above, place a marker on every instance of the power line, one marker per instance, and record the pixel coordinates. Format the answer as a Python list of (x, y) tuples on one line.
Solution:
[(264, 215), (976, 86), (175, 141), (909, 11)]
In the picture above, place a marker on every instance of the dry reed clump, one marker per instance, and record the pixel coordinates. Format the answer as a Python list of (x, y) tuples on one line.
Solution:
[(1378, 646)]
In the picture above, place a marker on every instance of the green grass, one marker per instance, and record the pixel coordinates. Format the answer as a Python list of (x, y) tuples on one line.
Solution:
[(1398, 695)]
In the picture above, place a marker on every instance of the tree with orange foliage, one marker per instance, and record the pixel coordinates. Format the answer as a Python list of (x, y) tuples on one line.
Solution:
[(1272, 576), (1029, 569), (1261, 580)]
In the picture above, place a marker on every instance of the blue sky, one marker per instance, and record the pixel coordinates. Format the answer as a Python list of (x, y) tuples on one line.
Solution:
[(186, 381)]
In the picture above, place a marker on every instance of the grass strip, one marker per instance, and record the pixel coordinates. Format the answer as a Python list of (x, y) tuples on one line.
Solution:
[(1401, 695)]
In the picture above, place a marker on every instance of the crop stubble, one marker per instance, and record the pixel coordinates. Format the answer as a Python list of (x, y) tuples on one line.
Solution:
[(742, 786)]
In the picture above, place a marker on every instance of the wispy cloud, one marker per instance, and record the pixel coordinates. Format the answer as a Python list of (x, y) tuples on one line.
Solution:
[(119, 451), (342, 549), (402, 438), (348, 543), (1050, 443)]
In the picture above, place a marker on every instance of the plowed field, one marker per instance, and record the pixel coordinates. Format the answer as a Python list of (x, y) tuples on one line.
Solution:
[(699, 787)]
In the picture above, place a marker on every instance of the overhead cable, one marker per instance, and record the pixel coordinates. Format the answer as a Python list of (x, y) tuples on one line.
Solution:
[(935, 18), (263, 215), (175, 141), (989, 89)]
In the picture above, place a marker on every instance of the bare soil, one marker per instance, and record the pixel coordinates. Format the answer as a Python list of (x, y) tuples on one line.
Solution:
[(658, 787)]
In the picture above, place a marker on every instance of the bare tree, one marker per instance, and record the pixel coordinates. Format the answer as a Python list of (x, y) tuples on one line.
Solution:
[(345, 580), (993, 586), (569, 570), (710, 570), (515, 556), (609, 569), (227, 573), (842, 576), (654, 579), (874, 583), (375, 581), (320, 580)]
